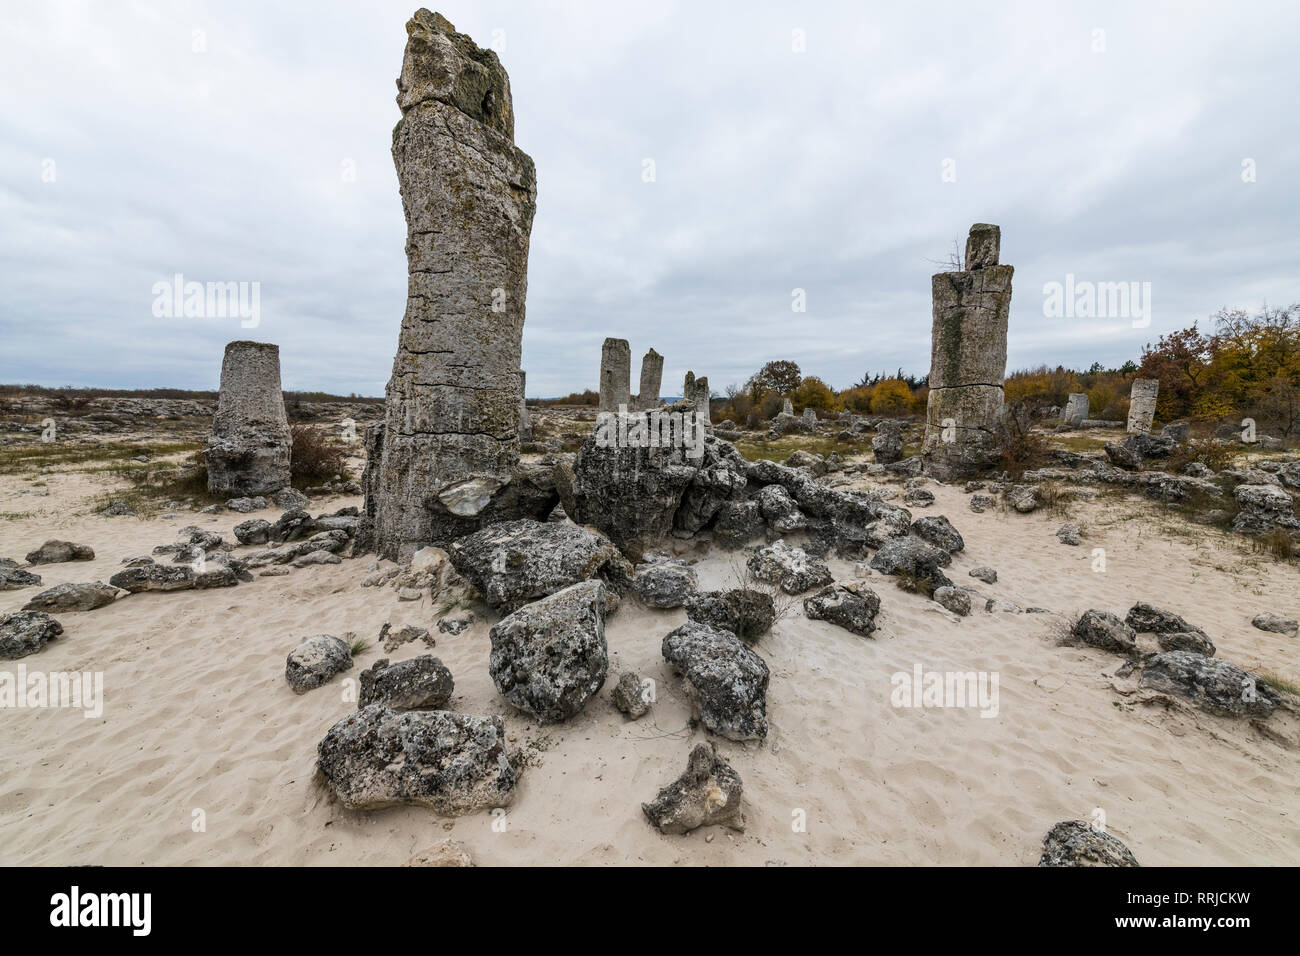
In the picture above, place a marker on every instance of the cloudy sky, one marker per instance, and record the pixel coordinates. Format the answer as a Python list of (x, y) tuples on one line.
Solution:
[(249, 142)]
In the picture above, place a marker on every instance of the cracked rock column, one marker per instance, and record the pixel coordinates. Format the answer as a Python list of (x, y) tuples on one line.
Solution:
[(247, 451), (652, 374), (615, 374), (968, 358), (448, 448), (1076, 410), (1142, 404), (696, 391)]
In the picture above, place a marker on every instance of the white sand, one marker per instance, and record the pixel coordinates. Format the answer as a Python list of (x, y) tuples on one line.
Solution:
[(198, 716)]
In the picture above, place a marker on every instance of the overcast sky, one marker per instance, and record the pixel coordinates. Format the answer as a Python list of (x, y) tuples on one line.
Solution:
[(1108, 141)]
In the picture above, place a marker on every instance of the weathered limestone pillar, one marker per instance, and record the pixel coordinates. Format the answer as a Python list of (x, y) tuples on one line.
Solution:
[(652, 373), (1142, 404), (248, 449), (1076, 410), (809, 419), (525, 426), (449, 444), (968, 358), (615, 374), (696, 391), (787, 408)]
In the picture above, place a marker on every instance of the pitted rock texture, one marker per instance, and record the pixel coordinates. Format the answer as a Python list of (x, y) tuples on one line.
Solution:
[(316, 660), (421, 683), (1209, 683), (727, 682), (446, 451), (1076, 843), (452, 763), (248, 451), (26, 632), (707, 794), (1142, 404), (615, 375), (652, 374)]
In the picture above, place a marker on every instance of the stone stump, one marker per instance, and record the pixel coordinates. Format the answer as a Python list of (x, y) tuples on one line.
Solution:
[(248, 449), (615, 374), (1142, 405), (445, 459), (968, 358), (1076, 410), (652, 373)]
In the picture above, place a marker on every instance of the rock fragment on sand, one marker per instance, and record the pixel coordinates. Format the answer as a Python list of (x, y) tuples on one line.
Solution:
[(315, 661), (938, 531), (707, 794), (421, 683), (452, 763), (789, 568), (11, 579), (985, 574), (1276, 623), (392, 640), (915, 558), (1211, 684), (448, 853), (953, 599), (73, 597), (1105, 631), (727, 682), (852, 606), (1076, 843), (57, 552), (1069, 534), (26, 632), (631, 695)]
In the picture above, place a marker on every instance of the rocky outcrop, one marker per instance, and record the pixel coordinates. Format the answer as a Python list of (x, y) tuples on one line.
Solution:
[(1263, 509), (452, 763), (789, 568), (913, 558), (549, 657), (726, 681), (445, 460), (707, 794), (248, 450), (26, 632), (1076, 843), (516, 562)]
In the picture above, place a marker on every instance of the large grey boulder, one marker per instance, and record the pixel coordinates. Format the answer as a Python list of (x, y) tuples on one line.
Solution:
[(421, 683), (26, 632), (1264, 508), (664, 584), (56, 552), (1209, 683), (248, 450), (445, 460), (707, 794), (789, 568), (938, 531), (1174, 632), (1276, 623), (11, 579), (452, 763), (73, 597), (516, 562), (852, 606), (1076, 843), (727, 682), (549, 657), (315, 661)]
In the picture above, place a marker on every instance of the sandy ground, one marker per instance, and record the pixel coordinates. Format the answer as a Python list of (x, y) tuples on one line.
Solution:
[(198, 717)]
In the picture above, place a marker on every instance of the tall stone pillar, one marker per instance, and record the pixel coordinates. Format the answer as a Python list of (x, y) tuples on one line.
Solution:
[(248, 450), (615, 374), (652, 374), (696, 391), (1076, 410), (1142, 404), (968, 358), (448, 447)]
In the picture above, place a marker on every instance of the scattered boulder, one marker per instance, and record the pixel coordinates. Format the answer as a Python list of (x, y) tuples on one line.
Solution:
[(978, 503), (631, 695), (745, 612), (316, 660), (151, 576), (1209, 683), (707, 794), (789, 568), (316, 557), (727, 682), (1194, 641), (1147, 619), (1105, 631), (11, 579), (253, 531), (887, 444), (852, 606), (452, 763), (516, 562), (1069, 534), (1023, 498), (914, 558), (1264, 508), (954, 599), (56, 552), (779, 510), (919, 497), (549, 657), (421, 683), (987, 575), (1076, 843), (938, 530), (1276, 623), (73, 597), (290, 499), (664, 584), (26, 632), (1134, 451)]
